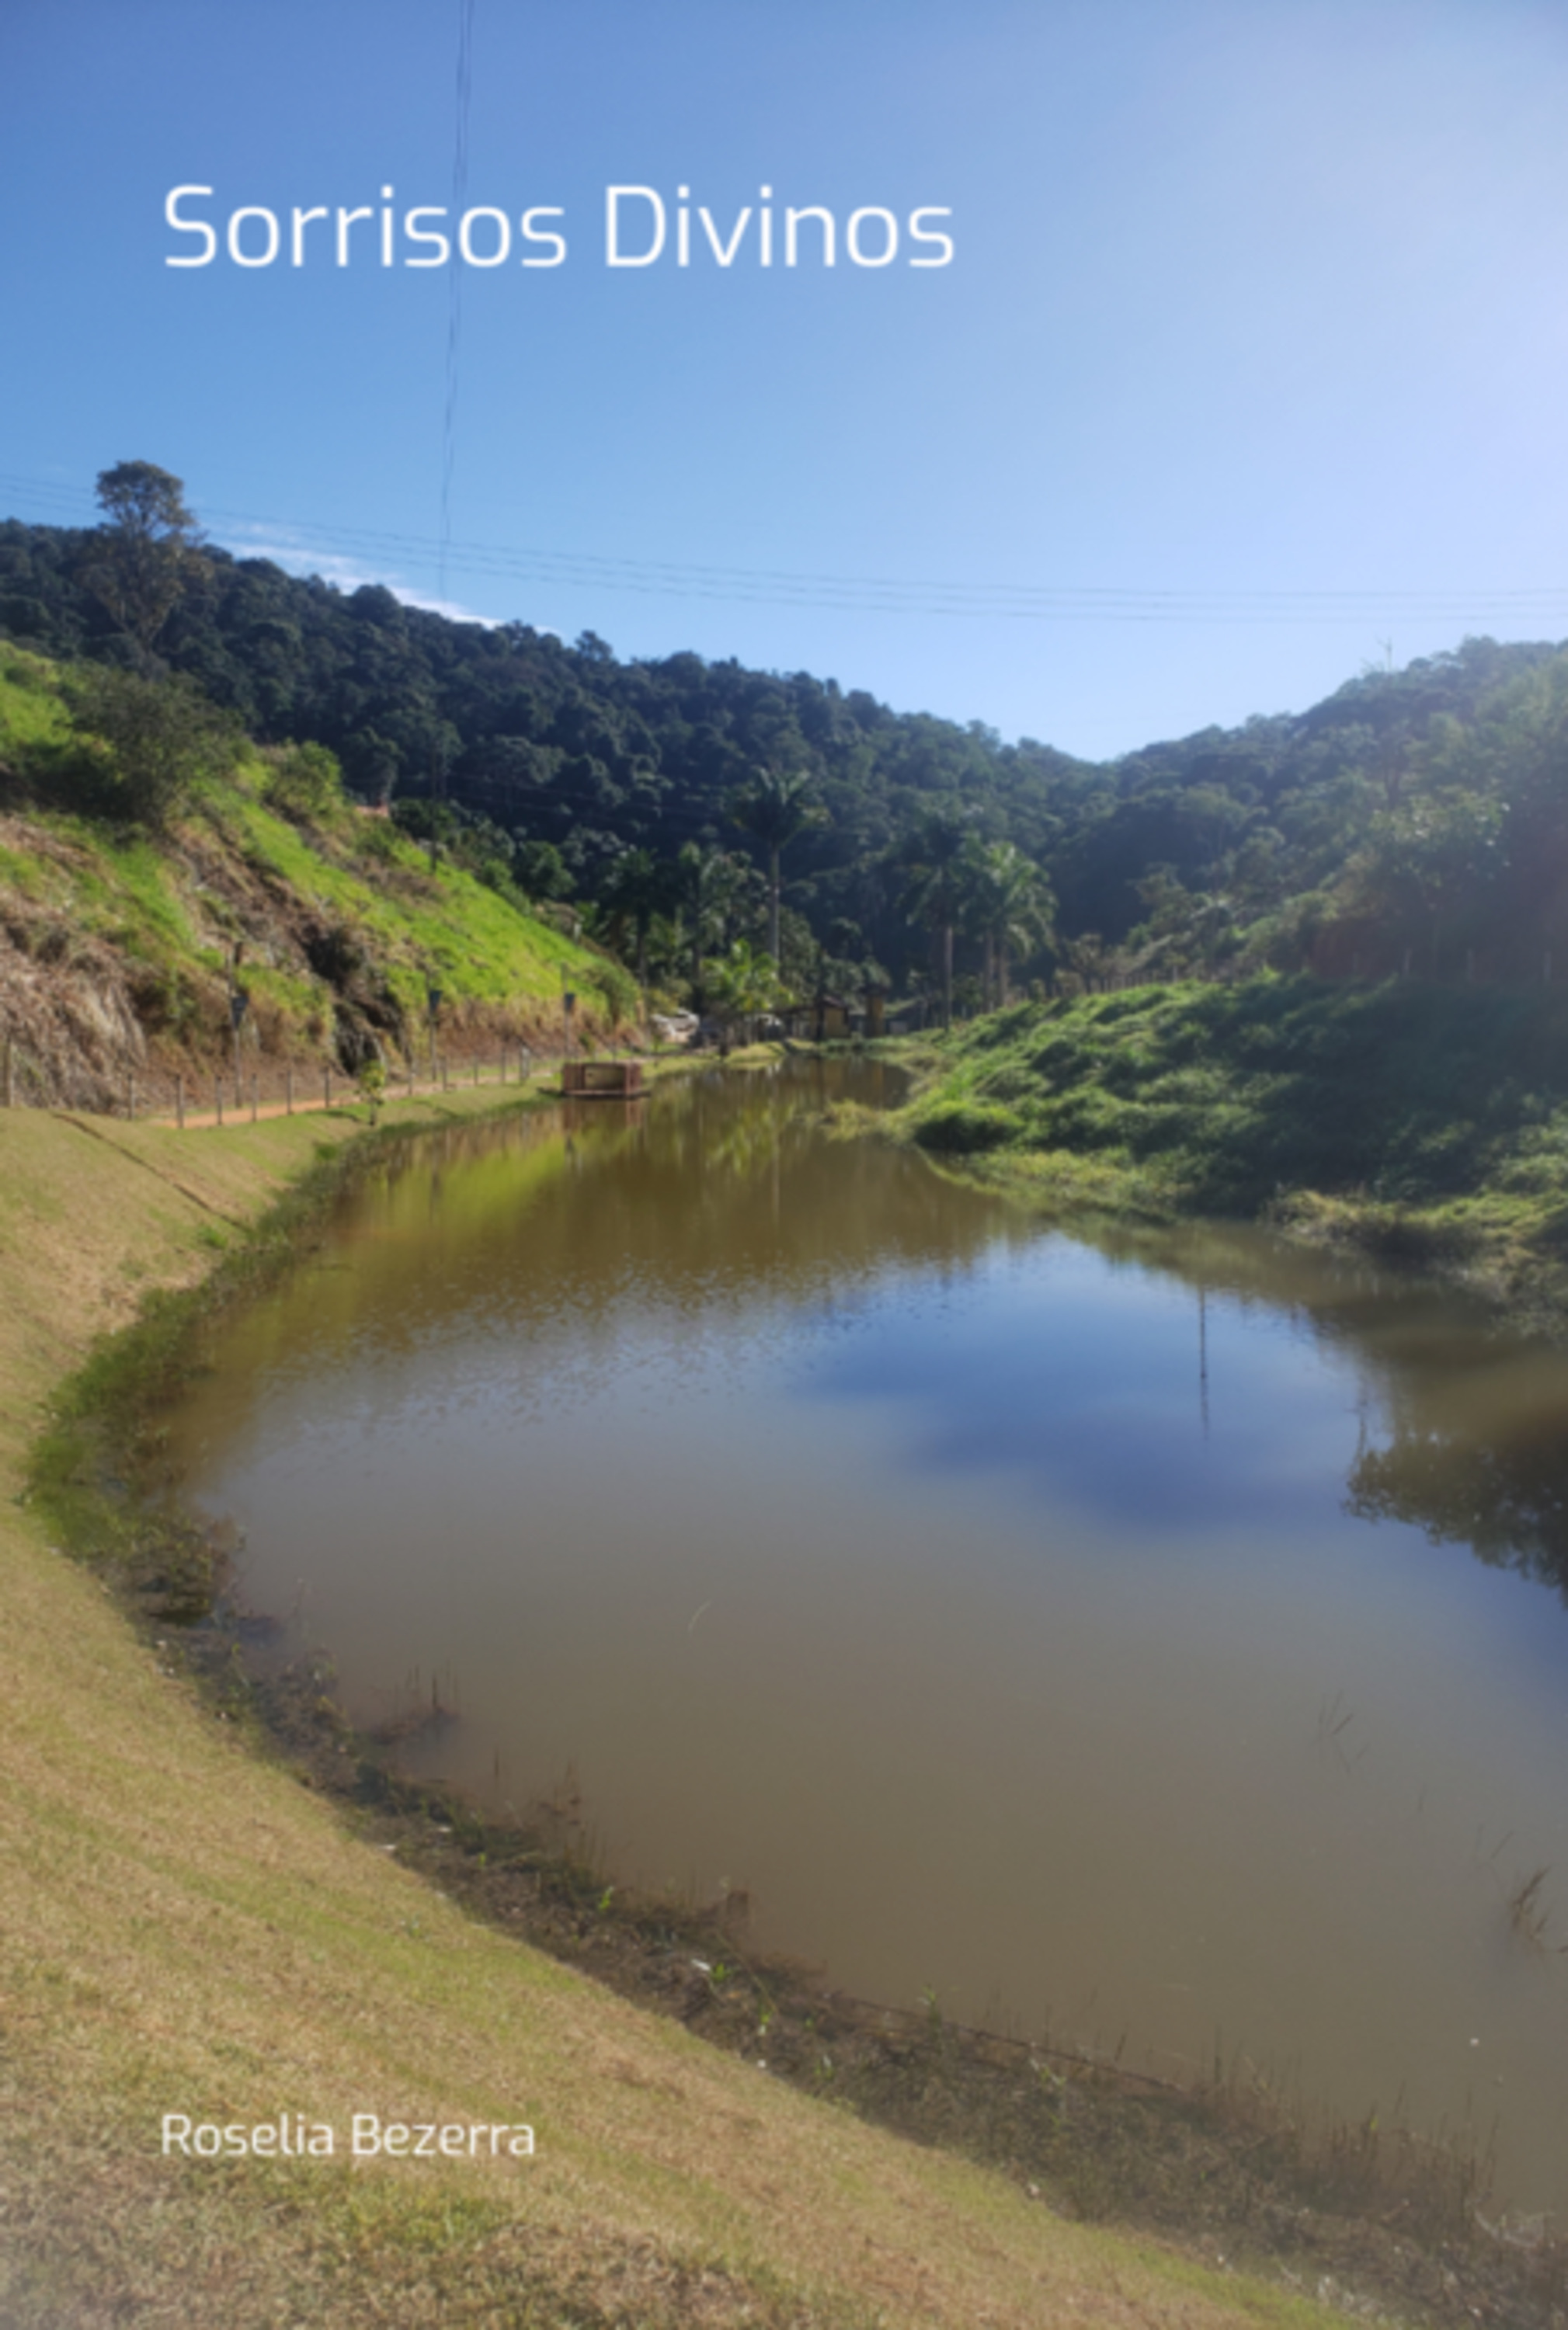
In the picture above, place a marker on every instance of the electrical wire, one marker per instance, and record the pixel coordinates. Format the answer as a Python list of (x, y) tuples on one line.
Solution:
[(286, 538)]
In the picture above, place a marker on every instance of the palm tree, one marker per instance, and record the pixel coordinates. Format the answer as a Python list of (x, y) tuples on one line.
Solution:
[(775, 808), (1013, 905), (638, 887), (934, 858), (708, 882), (744, 983)]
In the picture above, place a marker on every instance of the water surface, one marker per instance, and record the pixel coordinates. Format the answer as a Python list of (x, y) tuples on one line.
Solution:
[(1159, 1640)]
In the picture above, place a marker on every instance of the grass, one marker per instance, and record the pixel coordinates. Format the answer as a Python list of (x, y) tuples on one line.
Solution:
[(444, 921), (233, 870), (184, 1926), (1529, 1914), (31, 711), (1425, 1123)]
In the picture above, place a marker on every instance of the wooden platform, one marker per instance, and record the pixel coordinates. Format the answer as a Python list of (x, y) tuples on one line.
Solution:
[(601, 1079)]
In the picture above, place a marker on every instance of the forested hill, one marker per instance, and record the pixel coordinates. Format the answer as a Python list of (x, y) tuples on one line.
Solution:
[(1415, 816)]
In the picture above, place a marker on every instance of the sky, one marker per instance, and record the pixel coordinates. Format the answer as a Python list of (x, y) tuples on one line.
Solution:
[(1248, 368)]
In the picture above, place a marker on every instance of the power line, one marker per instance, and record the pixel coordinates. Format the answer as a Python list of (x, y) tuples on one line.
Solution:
[(1058, 602)]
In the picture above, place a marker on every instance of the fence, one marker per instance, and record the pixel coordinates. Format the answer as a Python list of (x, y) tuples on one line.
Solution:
[(269, 1089)]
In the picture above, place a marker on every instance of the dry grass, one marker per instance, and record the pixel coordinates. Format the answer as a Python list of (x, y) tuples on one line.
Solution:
[(184, 1926)]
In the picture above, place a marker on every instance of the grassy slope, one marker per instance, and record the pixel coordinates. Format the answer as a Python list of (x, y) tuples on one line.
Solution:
[(235, 869), (1430, 1121), (183, 1928)]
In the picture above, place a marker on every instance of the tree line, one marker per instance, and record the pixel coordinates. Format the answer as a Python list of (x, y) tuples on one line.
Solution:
[(1416, 821)]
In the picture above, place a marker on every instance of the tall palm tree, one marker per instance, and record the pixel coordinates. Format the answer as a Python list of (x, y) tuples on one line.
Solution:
[(708, 883), (776, 807), (637, 888), (1014, 907), (934, 858)]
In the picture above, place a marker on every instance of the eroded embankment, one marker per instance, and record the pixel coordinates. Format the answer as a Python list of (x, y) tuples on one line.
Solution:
[(195, 1931)]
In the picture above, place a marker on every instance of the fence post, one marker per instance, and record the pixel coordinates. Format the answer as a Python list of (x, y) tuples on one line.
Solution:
[(255, 1094), (10, 1081), (130, 1094), (288, 1089), (180, 1103), (327, 1088), (218, 1095)]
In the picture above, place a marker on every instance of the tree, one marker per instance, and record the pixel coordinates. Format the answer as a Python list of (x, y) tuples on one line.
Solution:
[(638, 886), (541, 871), (163, 736), (934, 858), (1431, 861), (1011, 904), (775, 808), (145, 555), (743, 983), (708, 885)]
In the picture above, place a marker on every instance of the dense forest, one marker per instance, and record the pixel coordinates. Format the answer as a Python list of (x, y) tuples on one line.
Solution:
[(1416, 821)]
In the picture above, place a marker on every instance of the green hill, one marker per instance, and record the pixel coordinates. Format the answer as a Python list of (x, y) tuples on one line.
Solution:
[(1414, 822), (1428, 1122), (124, 935)]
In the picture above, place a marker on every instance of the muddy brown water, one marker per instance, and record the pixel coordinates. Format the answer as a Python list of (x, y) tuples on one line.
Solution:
[(1158, 1639)]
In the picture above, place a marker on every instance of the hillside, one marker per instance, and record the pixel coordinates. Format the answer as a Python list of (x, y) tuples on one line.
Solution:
[(1425, 1123), (1415, 819), (122, 939)]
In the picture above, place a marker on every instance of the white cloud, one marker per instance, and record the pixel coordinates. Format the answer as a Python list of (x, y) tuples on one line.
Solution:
[(349, 573)]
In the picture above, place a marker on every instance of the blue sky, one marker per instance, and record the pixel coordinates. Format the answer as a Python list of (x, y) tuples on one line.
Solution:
[(1251, 360)]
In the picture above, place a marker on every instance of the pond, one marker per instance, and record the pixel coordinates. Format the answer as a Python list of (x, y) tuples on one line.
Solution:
[(1154, 1639)]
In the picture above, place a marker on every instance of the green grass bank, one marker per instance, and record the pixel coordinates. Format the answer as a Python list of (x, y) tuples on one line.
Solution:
[(1427, 1124)]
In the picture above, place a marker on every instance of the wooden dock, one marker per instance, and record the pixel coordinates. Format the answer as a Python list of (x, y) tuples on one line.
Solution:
[(601, 1079)]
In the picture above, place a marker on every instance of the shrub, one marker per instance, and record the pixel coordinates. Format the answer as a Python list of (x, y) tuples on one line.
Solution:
[(965, 1127), (303, 781), (164, 738)]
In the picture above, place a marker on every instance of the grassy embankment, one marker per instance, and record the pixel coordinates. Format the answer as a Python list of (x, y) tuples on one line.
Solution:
[(116, 946), (182, 1927), (1428, 1125)]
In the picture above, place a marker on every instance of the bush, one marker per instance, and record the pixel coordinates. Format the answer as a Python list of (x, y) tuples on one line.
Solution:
[(965, 1127), (303, 781), (616, 987), (163, 737)]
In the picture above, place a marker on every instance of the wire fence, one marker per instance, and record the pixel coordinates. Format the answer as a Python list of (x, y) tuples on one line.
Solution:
[(196, 1099)]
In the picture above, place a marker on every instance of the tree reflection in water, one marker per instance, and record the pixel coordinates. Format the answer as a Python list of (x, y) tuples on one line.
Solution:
[(1506, 1499)]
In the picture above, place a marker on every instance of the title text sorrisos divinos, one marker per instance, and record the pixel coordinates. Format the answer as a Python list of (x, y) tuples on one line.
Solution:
[(640, 230)]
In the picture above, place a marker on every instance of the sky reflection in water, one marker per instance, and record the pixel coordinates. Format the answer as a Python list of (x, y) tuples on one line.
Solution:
[(852, 1538)]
